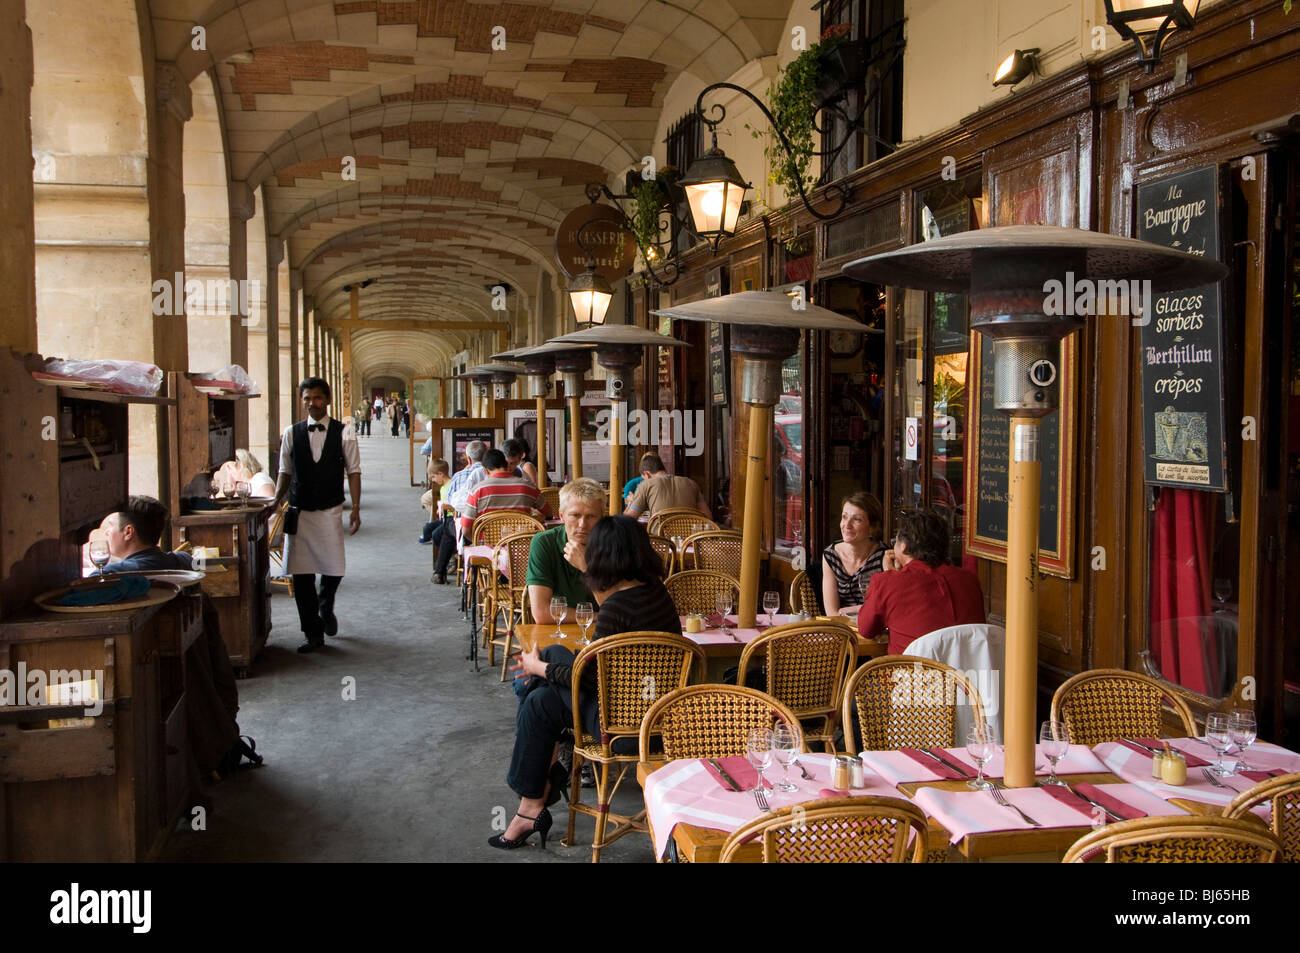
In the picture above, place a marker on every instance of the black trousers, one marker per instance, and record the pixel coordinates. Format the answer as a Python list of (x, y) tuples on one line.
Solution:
[(446, 545), (545, 716), (312, 606), (365, 426)]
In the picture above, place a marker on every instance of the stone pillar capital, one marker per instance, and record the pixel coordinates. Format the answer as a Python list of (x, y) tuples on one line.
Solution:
[(243, 201), (173, 91), (295, 279), (274, 251)]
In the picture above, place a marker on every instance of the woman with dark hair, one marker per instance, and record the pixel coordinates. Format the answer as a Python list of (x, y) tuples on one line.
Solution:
[(848, 564), (918, 592), (626, 579)]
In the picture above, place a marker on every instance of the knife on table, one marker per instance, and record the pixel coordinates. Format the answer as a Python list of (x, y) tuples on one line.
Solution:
[(723, 771), (1137, 744), (1102, 807), (944, 761)]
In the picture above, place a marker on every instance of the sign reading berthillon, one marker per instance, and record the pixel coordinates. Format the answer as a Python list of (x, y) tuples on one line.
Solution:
[(1182, 340)]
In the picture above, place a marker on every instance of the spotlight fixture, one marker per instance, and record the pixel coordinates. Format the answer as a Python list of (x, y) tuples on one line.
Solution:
[(1148, 23), (1017, 65)]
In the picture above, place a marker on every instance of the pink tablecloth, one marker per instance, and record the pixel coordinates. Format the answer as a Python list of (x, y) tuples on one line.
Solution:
[(684, 793), (485, 554), (1134, 767), (733, 635), (895, 767), (975, 812)]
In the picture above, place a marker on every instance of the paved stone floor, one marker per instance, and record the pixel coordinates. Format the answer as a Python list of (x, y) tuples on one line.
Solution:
[(414, 768)]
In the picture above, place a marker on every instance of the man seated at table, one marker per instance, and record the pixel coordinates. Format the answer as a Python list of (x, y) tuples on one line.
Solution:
[(133, 535), (917, 591), (501, 490), (659, 490), (556, 559)]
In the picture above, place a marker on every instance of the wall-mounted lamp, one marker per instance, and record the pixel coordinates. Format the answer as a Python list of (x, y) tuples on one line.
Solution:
[(1148, 23), (589, 293), (1018, 65)]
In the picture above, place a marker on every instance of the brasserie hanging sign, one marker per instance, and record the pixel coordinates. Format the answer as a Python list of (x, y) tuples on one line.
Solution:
[(1182, 340)]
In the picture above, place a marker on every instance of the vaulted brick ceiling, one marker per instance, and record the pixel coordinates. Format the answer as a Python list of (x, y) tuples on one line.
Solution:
[(393, 141)]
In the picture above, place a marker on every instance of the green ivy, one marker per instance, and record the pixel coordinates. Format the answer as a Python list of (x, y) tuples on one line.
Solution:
[(649, 198)]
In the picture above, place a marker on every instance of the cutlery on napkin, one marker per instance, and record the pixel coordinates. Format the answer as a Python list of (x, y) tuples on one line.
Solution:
[(738, 768), (1078, 799), (940, 765), (1142, 746)]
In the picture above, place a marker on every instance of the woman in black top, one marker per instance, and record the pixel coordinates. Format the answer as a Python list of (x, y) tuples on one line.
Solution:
[(626, 579)]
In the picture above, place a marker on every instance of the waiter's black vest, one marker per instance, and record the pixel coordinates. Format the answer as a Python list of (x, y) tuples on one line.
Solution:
[(317, 485)]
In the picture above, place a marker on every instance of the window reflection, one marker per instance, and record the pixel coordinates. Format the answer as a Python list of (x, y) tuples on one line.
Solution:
[(787, 456)]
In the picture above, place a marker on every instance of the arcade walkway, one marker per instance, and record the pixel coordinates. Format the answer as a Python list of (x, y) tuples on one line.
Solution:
[(413, 769)]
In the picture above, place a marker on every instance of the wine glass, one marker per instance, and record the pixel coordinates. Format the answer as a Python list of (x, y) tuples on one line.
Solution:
[(771, 602), (862, 587), (584, 615), (1217, 737), (1054, 738), (785, 745), (759, 751), (214, 488), (1222, 591), (979, 745), (559, 609), (99, 555), (243, 491), (1242, 732), (722, 603)]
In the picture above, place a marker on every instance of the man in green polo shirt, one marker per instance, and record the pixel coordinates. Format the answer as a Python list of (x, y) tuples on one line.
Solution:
[(556, 559)]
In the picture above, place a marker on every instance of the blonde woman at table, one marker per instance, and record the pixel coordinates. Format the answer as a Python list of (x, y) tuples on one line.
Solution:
[(626, 578), (848, 564)]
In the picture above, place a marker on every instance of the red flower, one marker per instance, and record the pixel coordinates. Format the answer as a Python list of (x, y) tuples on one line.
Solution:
[(836, 30)]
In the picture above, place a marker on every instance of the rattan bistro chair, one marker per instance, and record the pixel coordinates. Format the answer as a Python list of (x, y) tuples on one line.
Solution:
[(710, 721), (1282, 794), (1109, 703), (679, 521), (855, 830), (696, 589), (275, 548), (906, 702), (551, 494), (488, 530), (806, 666), (663, 547), (508, 595), (1173, 840), (632, 669), (803, 595), (715, 549)]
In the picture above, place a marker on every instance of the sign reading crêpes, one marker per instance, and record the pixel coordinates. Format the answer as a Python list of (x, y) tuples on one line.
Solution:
[(1182, 340), (609, 243)]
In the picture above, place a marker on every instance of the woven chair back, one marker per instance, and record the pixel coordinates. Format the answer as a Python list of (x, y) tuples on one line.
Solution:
[(515, 549), (663, 546), (551, 494), (855, 830), (803, 596), (632, 670), (807, 663), (1109, 703), (711, 721), (906, 702), (695, 590), (680, 521), (495, 525), (716, 549), (1282, 795), (1177, 840)]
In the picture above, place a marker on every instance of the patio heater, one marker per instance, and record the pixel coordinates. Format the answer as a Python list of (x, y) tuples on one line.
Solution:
[(481, 382), (539, 363), (619, 349), (574, 363), (500, 377), (765, 332), (1006, 272)]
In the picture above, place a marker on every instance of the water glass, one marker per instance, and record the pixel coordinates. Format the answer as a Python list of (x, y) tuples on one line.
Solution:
[(722, 604), (979, 745), (243, 491), (785, 745), (1217, 737), (771, 602), (1054, 739), (584, 615), (559, 610), (758, 749), (1242, 732), (99, 554)]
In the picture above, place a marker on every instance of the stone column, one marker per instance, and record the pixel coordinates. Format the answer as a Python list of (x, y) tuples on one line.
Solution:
[(243, 203), (17, 219), (274, 255)]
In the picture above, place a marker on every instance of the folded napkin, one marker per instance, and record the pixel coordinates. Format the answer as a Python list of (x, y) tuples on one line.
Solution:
[(128, 587), (1258, 776), (741, 771), (940, 769), (831, 792), (1192, 760), (1068, 797)]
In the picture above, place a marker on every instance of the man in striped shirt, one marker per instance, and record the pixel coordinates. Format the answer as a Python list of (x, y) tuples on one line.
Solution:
[(502, 490)]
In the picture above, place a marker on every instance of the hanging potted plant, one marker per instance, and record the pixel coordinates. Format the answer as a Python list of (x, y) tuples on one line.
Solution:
[(843, 61), (649, 199)]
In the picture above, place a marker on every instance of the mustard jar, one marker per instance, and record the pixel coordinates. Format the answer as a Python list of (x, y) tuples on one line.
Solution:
[(1173, 768), (694, 622)]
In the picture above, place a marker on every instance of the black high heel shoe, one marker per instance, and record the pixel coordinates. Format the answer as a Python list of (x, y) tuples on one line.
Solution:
[(559, 784), (541, 825)]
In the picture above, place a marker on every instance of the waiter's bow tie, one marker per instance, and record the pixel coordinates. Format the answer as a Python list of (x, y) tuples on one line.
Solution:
[(311, 427)]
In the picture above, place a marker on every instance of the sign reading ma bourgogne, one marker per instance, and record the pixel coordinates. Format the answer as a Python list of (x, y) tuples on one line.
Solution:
[(1182, 341)]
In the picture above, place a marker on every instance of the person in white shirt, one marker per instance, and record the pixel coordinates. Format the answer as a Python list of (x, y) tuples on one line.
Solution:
[(316, 453)]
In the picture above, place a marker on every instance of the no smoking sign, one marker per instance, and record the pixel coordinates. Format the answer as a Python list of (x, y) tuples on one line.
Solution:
[(910, 438)]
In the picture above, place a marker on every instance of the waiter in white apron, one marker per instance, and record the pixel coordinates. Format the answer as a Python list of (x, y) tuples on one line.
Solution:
[(315, 454)]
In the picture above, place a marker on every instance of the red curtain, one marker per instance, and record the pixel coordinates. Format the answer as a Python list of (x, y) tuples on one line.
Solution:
[(1183, 640)]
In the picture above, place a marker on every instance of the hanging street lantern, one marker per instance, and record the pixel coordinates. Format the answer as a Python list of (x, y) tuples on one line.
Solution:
[(1149, 23), (1007, 272), (589, 292), (765, 328), (714, 191)]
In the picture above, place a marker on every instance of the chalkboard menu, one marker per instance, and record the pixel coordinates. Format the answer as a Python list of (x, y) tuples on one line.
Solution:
[(989, 465), (1182, 340)]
